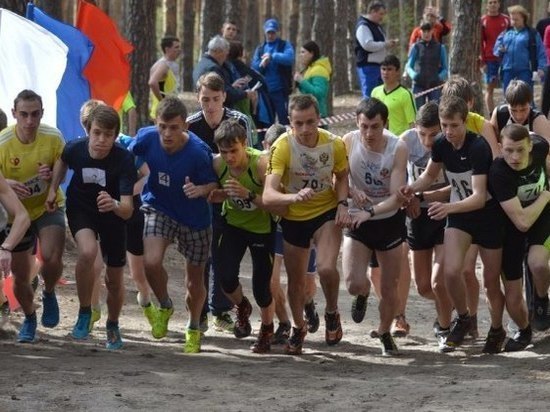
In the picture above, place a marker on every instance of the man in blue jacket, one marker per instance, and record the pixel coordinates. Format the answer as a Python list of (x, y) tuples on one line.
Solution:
[(274, 58), (521, 50)]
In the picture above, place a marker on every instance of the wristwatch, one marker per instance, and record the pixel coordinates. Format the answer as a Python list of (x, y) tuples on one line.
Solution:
[(343, 203), (370, 210), (419, 196), (251, 196)]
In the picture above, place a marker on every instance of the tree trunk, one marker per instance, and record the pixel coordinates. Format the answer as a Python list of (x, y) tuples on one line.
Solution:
[(104, 5), (52, 8), (268, 10), (306, 21), (340, 83), (252, 31), (419, 6), (188, 42), (170, 10), (463, 61), (277, 13), (212, 20), (352, 18), (323, 34), (17, 6), (234, 12), (116, 11), (68, 12), (293, 21), (140, 26)]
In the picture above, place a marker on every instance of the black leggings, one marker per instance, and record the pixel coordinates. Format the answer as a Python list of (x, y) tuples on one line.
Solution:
[(231, 247)]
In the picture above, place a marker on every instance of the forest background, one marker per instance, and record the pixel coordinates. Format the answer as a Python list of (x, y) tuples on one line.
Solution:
[(331, 23)]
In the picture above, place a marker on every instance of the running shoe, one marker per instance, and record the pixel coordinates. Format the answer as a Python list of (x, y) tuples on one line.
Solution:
[(4, 313), (159, 328), (441, 337), (312, 317), (541, 318), (295, 342), (50, 310), (150, 312), (333, 328), (282, 333), (459, 328), (263, 343), (224, 323), (203, 323), (389, 348), (96, 315), (81, 329), (358, 308), (192, 341), (114, 341), (473, 332), (494, 341), (242, 324), (28, 329), (400, 328), (522, 339)]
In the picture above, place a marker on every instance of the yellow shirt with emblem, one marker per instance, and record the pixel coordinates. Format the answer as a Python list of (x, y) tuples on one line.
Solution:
[(20, 162), (300, 166)]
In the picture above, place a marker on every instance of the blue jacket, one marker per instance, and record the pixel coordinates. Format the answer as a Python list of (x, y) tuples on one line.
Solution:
[(516, 58), (272, 72)]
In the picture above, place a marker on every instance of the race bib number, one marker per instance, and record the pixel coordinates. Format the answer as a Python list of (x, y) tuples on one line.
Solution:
[(242, 204), (36, 186), (93, 175)]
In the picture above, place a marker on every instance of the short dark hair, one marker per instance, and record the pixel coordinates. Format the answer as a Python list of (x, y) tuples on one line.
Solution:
[(105, 117), (451, 105), (273, 133), (428, 115), (28, 95), (301, 102), (3, 120), (212, 81), (458, 86), (236, 49), (170, 107), (426, 26), (375, 5), (391, 60), (229, 132), (167, 41), (372, 107), (518, 92), (514, 132)]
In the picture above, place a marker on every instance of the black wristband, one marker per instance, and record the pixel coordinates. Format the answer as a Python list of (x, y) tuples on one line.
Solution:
[(343, 203), (419, 196)]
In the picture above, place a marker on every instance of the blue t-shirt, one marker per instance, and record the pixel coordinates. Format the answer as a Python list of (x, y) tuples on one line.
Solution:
[(164, 188)]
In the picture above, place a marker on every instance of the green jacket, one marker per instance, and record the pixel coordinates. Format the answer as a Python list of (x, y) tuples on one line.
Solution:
[(316, 82)]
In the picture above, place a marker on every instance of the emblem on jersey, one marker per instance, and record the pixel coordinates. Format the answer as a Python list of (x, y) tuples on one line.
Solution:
[(384, 172), (14, 161), (323, 158), (308, 162)]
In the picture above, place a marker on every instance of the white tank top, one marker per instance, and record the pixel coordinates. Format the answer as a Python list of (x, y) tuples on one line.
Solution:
[(371, 171)]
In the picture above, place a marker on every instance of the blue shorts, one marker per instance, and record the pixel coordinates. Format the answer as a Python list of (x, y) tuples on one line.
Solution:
[(491, 72)]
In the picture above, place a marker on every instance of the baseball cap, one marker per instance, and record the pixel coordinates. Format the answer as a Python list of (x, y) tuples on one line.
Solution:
[(271, 25)]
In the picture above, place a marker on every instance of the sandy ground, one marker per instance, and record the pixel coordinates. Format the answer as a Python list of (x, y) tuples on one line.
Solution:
[(58, 374)]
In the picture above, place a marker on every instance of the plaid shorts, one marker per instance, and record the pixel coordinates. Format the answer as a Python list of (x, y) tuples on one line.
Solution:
[(193, 244)]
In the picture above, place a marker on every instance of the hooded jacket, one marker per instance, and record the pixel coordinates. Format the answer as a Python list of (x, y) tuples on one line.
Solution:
[(316, 82)]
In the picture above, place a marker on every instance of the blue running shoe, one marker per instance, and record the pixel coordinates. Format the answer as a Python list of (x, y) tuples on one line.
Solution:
[(28, 330), (81, 329), (114, 340), (50, 313)]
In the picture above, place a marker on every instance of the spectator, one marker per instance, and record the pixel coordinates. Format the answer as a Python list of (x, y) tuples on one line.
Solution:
[(274, 58), (163, 76), (439, 24), (545, 104), (520, 48), (315, 75), (542, 24), (371, 46), (214, 60), (229, 30), (492, 24), (427, 66), (3, 120)]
